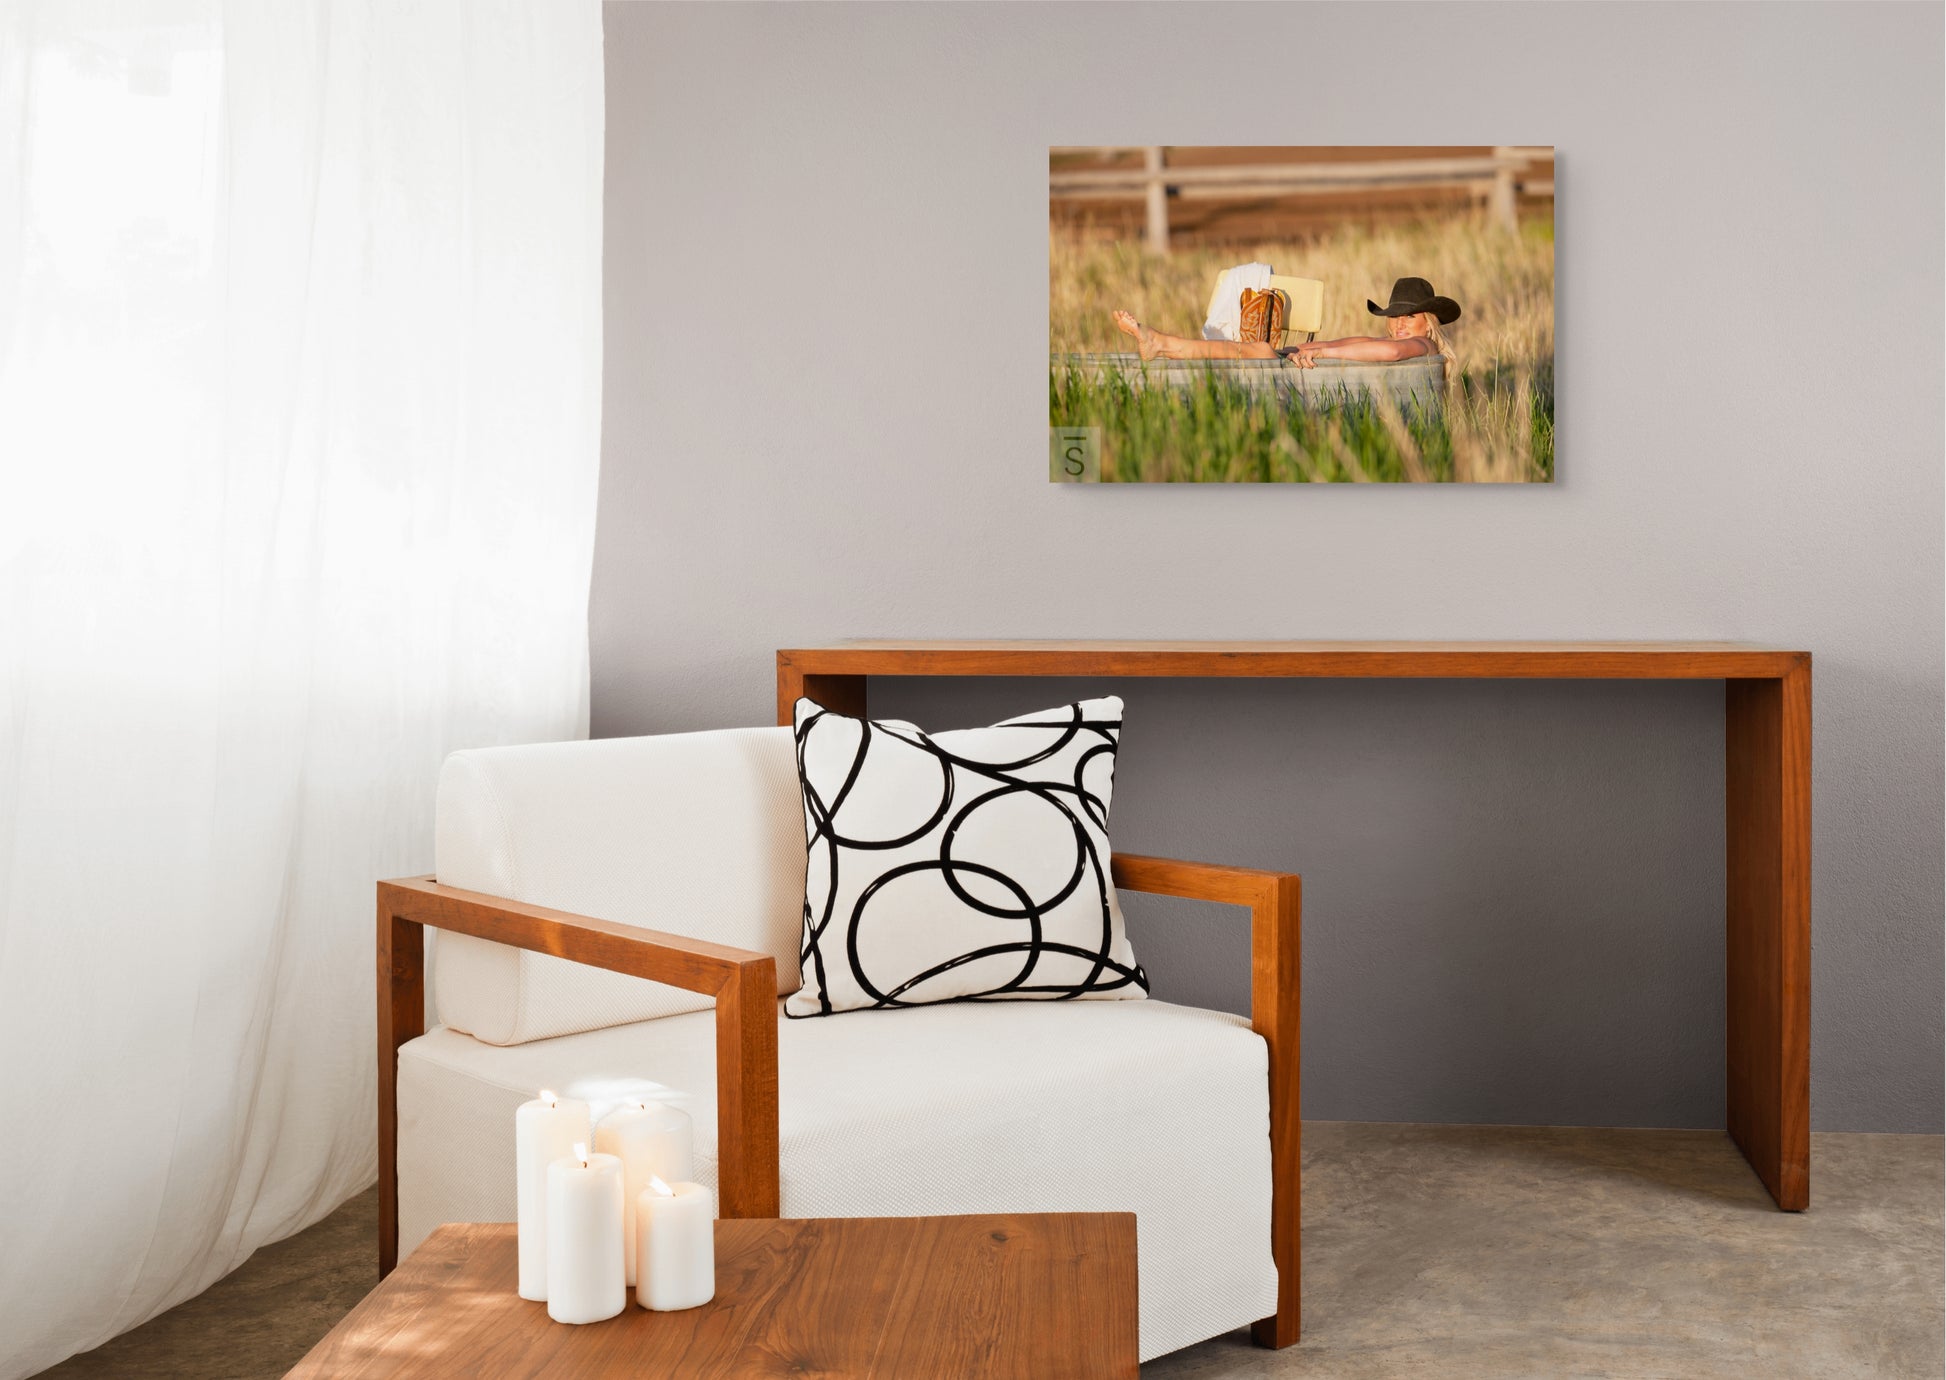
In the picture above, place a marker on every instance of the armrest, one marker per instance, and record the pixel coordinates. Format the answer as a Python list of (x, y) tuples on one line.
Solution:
[(695, 965), (1275, 901), (1195, 881), (1276, 971), (744, 984)]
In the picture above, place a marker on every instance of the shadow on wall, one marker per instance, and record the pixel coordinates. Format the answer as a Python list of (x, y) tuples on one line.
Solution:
[(1513, 892)]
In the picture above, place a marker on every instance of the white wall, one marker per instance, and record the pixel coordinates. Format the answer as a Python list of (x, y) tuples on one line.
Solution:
[(826, 286)]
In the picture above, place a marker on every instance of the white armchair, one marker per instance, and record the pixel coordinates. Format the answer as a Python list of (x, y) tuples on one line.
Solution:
[(599, 899)]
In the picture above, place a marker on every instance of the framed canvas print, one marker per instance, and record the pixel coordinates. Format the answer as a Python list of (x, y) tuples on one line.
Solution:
[(1341, 314)]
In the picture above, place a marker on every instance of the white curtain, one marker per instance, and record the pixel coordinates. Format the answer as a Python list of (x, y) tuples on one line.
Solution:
[(300, 360)]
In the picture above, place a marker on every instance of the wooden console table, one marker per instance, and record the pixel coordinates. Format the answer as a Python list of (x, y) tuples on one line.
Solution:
[(1767, 796)]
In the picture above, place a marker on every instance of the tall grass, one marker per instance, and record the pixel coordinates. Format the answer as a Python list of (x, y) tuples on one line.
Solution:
[(1217, 431), (1498, 422)]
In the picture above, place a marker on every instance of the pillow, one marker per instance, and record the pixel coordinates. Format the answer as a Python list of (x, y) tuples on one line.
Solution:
[(964, 866)]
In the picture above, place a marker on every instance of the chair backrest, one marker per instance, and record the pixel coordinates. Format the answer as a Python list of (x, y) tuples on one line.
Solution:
[(1306, 297), (698, 834)]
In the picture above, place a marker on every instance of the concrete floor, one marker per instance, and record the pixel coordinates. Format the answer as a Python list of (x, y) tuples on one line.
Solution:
[(1456, 1251)]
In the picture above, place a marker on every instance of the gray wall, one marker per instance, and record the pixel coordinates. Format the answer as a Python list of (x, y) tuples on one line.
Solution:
[(1513, 891)]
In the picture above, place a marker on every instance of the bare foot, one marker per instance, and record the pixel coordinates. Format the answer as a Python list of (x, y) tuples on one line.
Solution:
[(1146, 342)]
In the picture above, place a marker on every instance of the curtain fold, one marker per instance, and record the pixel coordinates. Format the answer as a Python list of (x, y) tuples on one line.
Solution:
[(300, 337)]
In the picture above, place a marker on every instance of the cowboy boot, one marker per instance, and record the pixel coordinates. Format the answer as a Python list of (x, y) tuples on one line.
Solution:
[(1254, 309)]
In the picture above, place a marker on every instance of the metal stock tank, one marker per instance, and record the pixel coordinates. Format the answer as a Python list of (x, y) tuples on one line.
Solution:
[(1408, 382)]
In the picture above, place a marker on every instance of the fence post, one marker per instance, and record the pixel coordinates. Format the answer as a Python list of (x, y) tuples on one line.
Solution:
[(1158, 192), (1500, 204)]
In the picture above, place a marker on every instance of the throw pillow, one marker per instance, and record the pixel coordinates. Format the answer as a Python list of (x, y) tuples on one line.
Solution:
[(962, 866)]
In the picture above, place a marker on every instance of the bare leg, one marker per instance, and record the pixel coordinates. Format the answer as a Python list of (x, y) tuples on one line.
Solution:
[(1153, 344)]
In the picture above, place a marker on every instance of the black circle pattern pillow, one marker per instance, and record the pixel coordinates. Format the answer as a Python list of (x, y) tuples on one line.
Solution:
[(962, 866)]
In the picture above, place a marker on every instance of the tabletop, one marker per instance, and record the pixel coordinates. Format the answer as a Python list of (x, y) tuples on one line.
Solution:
[(1013, 1295)]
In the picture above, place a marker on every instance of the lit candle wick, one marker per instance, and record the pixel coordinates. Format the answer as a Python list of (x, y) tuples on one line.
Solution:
[(549, 1098), (581, 1153), (658, 1187)]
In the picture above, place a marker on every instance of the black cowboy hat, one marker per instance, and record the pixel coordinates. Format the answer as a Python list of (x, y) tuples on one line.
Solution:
[(1413, 295)]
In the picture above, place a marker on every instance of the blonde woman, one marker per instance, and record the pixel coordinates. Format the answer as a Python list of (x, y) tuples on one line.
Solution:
[(1414, 317)]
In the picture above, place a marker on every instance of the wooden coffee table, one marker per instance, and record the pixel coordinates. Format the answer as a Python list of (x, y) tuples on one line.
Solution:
[(1028, 1295)]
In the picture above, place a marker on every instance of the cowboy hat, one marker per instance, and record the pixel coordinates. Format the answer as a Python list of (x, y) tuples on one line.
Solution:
[(1412, 295)]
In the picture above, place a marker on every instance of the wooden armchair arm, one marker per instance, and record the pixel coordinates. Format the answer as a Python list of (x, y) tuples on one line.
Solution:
[(744, 984), (1274, 899), (1276, 972)]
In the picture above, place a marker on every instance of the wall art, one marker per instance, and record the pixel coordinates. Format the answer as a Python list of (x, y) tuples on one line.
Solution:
[(1301, 315)]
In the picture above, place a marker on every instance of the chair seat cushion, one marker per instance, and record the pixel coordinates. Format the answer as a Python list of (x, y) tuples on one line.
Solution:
[(1147, 1107)]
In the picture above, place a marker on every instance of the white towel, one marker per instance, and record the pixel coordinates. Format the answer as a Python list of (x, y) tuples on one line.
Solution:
[(1225, 319)]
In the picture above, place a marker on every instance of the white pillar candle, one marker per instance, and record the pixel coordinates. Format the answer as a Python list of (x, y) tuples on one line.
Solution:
[(675, 1236), (648, 1138), (584, 1238), (544, 1130)]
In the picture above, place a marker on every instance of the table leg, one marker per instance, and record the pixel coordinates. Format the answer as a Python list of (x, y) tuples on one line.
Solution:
[(842, 694), (1767, 796)]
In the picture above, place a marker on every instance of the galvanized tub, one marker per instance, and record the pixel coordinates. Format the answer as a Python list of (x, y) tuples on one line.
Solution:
[(1408, 382)]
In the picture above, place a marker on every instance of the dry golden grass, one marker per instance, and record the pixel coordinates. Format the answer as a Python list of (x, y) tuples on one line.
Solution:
[(1498, 422), (1504, 284)]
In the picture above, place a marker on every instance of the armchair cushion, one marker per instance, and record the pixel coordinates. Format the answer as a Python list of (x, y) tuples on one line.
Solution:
[(970, 865), (1026, 1107), (696, 834)]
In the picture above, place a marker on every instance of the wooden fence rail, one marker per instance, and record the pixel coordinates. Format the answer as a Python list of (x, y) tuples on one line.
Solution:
[(1496, 178)]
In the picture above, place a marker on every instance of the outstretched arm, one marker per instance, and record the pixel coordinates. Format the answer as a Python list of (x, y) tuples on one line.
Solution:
[(1366, 348)]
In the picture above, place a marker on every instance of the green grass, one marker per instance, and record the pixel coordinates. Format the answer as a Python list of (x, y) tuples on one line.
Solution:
[(1497, 426)]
